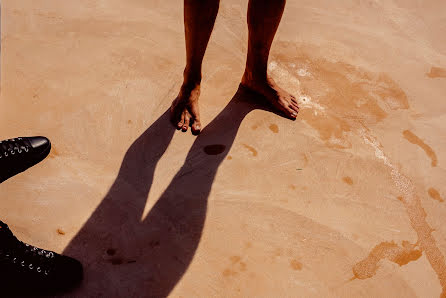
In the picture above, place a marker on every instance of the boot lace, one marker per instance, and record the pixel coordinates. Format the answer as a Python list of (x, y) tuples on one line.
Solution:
[(9, 148), (26, 257)]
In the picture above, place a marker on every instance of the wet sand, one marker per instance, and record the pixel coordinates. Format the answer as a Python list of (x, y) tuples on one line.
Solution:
[(346, 201)]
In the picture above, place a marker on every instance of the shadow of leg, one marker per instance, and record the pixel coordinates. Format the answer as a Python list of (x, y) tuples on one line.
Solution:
[(176, 221), (154, 254), (107, 238)]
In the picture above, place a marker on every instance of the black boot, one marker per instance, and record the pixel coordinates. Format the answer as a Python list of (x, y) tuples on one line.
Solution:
[(28, 270), (19, 154)]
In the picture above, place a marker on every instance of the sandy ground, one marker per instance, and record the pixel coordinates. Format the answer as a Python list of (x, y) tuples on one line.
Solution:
[(347, 201)]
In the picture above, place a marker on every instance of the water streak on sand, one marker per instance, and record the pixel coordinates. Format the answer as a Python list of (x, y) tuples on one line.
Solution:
[(411, 137), (274, 128), (417, 215), (340, 97), (348, 180), (434, 194), (352, 99), (437, 72), (400, 255), (252, 149), (296, 265)]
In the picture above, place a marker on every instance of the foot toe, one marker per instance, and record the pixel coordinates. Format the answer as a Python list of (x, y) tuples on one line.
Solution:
[(292, 112), (294, 100), (180, 124), (294, 107), (186, 123), (196, 127)]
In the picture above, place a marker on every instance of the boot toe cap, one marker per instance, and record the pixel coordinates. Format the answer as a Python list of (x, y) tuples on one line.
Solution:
[(39, 143)]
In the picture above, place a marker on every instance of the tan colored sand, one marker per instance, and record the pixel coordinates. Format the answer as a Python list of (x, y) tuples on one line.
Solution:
[(347, 201)]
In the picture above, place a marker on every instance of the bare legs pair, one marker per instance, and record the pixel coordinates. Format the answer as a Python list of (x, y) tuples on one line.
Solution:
[(263, 20)]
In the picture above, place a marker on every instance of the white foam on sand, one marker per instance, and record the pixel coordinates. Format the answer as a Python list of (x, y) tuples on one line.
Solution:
[(303, 72), (307, 102), (292, 84), (284, 77), (403, 183)]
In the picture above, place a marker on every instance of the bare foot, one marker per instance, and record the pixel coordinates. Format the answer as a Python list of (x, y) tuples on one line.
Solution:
[(279, 98), (184, 111)]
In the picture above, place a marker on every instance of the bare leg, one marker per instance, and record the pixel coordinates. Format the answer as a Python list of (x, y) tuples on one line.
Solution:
[(263, 20), (199, 19)]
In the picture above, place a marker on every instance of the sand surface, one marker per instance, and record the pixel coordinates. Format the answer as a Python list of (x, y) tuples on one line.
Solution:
[(346, 201)]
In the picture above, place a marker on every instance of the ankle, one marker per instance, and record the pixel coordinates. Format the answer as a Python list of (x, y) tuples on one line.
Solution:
[(191, 78), (253, 76), (188, 88)]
